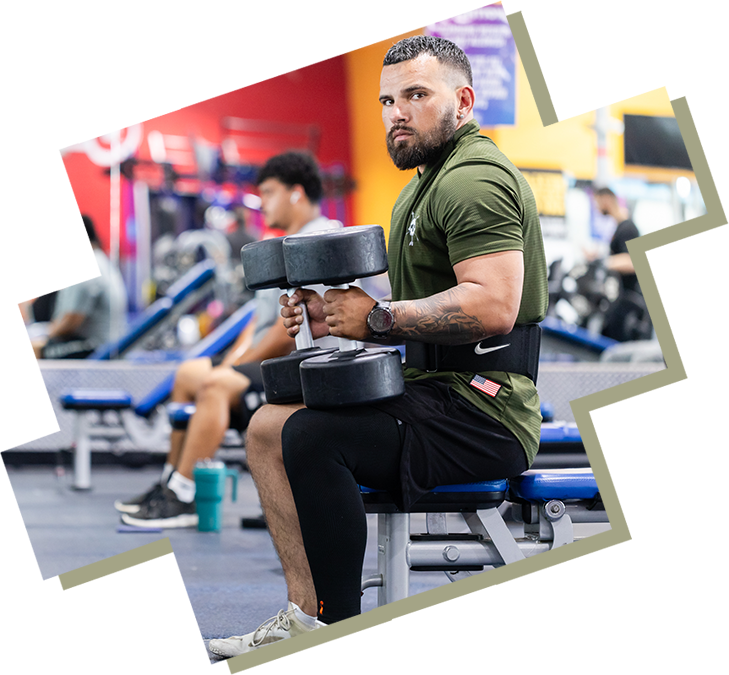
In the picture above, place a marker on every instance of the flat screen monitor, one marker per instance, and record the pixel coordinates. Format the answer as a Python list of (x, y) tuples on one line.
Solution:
[(654, 142)]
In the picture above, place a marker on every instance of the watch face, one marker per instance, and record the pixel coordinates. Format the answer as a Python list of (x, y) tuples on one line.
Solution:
[(380, 320)]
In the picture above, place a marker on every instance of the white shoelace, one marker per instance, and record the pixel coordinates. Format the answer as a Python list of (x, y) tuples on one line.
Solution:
[(281, 620)]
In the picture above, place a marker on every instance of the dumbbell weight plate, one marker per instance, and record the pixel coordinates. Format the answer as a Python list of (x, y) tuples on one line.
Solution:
[(352, 378), (263, 264), (264, 267), (281, 381), (335, 257)]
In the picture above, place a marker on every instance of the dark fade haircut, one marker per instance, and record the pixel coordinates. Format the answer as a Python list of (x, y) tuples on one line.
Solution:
[(294, 168), (447, 53)]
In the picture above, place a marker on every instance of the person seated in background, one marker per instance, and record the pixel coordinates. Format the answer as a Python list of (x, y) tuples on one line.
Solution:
[(615, 325), (227, 391), (37, 314), (86, 315)]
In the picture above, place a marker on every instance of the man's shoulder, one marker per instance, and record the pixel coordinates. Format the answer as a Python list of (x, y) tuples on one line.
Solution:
[(477, 170), (627, 229), (475, 154)]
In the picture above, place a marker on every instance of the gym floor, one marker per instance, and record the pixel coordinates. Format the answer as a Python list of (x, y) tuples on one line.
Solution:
[(233, 577)]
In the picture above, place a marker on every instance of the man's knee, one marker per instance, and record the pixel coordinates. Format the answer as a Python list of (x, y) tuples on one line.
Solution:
[(297, 430), (263, 436), (305, 439), (224, 380), (190, 371), (266, 423)]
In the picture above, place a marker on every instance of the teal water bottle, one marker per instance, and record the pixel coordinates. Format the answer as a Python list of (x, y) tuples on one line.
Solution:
[(210, 477)]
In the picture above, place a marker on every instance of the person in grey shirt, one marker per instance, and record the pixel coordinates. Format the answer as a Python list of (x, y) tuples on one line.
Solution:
[(89, 314)]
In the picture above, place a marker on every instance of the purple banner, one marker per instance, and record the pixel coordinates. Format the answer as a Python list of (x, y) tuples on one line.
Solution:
[(484, 34)]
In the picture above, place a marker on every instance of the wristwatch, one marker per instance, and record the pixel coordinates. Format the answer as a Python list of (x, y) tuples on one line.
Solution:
[(380, 320)]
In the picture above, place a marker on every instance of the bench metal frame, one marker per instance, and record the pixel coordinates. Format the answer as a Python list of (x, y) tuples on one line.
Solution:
[(491, 544)]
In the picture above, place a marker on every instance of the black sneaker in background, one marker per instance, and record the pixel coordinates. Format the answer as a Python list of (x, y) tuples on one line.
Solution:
[(163, 510), (133, 505)]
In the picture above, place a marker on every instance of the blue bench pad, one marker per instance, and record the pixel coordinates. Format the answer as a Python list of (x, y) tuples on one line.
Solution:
[(580, 336), (531, 486), (445, 498), (483, 486), (539, 486), (555, 432), (179, 414), (159, 310), (96, 399)]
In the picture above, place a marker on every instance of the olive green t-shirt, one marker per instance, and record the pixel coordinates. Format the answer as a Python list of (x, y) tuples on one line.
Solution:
[(472, 202)]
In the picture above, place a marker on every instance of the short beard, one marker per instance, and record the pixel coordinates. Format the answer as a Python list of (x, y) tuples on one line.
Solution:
[(423, 149)]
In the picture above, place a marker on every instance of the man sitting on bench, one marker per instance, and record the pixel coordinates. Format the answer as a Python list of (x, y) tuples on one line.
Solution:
[(290, 188), (88, 314), (466, 262)]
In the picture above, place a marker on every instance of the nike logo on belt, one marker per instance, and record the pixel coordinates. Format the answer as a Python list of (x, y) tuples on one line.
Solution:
[(485, 350)]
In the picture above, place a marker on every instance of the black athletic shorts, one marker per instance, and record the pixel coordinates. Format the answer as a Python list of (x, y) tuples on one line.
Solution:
[(250, 400), (74, 347), (446, 440)]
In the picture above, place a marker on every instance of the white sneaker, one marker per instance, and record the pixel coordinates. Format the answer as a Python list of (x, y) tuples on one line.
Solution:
[(283, 625)]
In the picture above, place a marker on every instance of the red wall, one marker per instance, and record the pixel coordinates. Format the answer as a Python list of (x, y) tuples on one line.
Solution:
[(312, 95)]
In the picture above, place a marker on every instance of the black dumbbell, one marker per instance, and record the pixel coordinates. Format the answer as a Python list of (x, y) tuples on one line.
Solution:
[(263, 266), (350, 376)]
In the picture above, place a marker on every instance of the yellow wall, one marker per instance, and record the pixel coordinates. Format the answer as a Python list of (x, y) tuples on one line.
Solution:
[(569, 146)]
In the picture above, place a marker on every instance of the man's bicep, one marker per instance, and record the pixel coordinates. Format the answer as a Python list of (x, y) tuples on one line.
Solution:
[(502, 267), (495, 281)]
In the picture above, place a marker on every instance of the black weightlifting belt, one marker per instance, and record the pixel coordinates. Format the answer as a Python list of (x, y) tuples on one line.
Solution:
[(516, 352)]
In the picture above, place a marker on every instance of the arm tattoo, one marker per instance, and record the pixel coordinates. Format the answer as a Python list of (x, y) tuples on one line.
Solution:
[(439, 319)]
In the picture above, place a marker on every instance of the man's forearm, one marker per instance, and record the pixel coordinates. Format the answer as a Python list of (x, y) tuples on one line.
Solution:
[(445, 318), (621, 263), (67, 325)]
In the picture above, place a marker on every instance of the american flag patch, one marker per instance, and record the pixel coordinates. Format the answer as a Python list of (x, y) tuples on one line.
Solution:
[(484, 385)]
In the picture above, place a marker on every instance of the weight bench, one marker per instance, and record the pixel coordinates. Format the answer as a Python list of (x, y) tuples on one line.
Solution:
[(560, 446), (185, 293), (139, 423), (561, 337), (544, 506)]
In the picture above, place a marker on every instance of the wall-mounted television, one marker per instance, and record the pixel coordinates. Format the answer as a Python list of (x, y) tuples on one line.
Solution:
[(654, 141)]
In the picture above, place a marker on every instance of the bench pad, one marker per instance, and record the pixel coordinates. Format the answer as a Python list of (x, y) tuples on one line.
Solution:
[(96, 399), (539, 486)]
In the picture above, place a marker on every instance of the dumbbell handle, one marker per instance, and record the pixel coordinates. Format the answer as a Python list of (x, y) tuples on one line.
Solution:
[(344, 344), (304, 338)]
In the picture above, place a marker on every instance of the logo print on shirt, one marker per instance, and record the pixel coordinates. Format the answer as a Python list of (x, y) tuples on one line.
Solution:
[(411, 227)]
